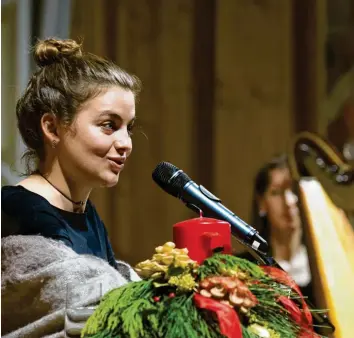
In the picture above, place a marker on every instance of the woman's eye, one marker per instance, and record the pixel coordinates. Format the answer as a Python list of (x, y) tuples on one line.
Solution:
[(109, 125)]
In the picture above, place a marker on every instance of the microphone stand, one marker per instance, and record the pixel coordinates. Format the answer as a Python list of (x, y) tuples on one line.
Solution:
[(264, 259)]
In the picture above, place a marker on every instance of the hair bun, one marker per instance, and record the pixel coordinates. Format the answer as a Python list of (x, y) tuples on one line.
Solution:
[(53, 50)]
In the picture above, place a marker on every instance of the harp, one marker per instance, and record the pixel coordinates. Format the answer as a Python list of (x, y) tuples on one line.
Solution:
[(326, 193)]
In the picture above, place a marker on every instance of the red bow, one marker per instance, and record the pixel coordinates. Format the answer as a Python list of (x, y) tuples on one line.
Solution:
[(229, 323), (302, 317)]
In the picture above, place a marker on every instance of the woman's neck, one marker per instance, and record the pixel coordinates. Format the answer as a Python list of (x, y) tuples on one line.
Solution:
[(285, 246), (66, 190)]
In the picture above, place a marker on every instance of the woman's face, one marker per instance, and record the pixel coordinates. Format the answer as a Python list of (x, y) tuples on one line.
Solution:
[(93, 150), (280, 203)]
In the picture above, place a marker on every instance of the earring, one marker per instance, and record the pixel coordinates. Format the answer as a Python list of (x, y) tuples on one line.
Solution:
[(54, 144), (262, 213)]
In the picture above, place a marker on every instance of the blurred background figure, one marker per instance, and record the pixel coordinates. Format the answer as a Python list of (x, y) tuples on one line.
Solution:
[(276, 215)]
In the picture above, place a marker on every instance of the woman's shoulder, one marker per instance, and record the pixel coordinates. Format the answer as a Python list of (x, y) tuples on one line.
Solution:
[(25, 212), (18, 198)]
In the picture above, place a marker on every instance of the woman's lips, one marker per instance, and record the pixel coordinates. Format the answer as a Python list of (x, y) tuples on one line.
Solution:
[(116, 167)]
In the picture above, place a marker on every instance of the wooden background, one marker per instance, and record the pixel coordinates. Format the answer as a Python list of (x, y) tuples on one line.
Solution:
[(227, 84)]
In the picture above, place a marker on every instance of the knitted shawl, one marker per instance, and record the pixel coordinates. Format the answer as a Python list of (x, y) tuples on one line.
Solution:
[(35, 272)]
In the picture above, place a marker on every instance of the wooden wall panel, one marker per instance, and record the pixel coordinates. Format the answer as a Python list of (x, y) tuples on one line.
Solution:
[(309, 40), (88, 25), (216, 101), (154, 41), (253, 113)]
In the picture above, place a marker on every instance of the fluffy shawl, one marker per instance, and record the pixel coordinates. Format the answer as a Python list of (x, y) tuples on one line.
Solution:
[(35, 273)]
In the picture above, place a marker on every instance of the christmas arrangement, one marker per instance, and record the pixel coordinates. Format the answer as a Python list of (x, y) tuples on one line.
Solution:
[(223, 296)]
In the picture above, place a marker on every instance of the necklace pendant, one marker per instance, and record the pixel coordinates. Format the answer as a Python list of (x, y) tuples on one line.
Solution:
[(79, 208)]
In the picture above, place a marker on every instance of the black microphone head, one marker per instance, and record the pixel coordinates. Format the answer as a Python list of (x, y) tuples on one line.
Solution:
[(170, 178)]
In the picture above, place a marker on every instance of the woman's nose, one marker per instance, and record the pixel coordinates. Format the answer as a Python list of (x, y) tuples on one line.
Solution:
[(290, 198), (123, 144)]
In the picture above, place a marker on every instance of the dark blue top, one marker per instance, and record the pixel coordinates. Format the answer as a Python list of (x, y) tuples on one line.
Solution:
[(26, 213)]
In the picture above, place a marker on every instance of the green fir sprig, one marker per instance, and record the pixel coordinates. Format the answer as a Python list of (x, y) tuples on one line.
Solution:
[(128, 311), (123, 314), (220, 263), (181, 318), (147, 309)]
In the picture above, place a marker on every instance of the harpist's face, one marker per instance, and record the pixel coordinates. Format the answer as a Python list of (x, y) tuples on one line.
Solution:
[(280, 203), (95, 150)]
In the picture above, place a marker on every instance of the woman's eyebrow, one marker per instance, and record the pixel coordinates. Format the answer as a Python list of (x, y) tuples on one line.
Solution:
[(111, 114), (115, 115)]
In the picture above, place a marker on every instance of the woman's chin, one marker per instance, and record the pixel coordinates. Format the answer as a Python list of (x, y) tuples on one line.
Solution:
[(109, 180)]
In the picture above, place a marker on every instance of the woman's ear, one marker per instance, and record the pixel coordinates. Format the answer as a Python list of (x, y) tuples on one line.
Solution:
[(49, 125)]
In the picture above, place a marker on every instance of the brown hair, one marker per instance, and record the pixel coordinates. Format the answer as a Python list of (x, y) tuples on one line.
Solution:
[(261, 184), (66, 78)]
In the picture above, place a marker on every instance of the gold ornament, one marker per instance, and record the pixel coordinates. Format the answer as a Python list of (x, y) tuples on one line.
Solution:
[(166, 256)]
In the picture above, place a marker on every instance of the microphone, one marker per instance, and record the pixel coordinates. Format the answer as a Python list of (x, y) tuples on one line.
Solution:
[(176, 183)]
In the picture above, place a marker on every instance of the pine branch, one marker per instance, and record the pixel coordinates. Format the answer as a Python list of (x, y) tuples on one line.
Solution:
[(121, 310), (220, 263), (181, 318), (133, 311)]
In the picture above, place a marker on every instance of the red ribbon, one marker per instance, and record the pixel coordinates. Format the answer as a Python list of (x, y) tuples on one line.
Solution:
[(302, 317), (229, 322)]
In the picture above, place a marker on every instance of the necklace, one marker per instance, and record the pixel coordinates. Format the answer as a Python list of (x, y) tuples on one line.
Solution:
[(79, 203)]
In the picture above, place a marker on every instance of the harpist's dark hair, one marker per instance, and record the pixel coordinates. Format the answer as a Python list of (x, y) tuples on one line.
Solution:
[(261, 184)]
